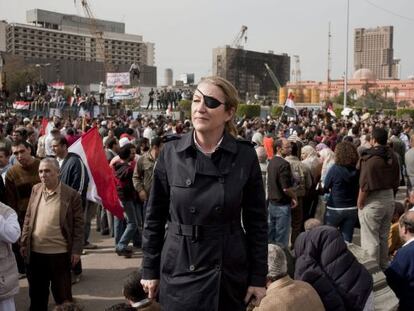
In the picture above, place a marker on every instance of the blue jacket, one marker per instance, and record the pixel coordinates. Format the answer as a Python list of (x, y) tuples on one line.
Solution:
[(74, 174), (342, 182), (400, 276)]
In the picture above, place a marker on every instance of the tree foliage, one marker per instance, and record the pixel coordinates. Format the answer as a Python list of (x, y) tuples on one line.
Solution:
[(250, 111), (17, 80), (185, 106)]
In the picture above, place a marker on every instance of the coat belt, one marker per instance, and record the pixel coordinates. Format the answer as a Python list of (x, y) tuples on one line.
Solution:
[(204, 231)]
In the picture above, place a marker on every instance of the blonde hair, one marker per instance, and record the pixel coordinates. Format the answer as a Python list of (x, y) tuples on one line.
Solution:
[(231, 102)]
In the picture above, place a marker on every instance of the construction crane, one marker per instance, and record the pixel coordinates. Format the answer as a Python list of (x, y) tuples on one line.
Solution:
[(101, 53), (239, 38), (273, 77)]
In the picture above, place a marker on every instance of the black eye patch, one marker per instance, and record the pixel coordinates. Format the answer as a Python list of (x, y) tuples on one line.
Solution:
[(210, 102)]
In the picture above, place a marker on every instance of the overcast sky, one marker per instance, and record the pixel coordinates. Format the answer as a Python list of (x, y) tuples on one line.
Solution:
[(186, 31)]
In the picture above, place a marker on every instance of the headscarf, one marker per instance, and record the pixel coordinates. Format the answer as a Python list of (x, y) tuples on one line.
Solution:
[(257, 139), (328, 159), (308, 151), (311, 160)]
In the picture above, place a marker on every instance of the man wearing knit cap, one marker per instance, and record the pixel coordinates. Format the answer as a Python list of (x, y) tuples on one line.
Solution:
[(283, 293)]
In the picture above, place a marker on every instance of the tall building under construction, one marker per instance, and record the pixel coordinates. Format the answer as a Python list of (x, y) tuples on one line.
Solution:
[(373, 50), (247, 71)]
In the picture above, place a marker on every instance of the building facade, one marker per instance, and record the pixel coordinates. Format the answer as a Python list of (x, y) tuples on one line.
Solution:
[(63, 40), (247, 72), (373, 49), (362, 81)]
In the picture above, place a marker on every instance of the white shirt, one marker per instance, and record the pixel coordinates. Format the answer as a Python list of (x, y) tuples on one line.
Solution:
[(48, 145), (201, 148), (408, 242)]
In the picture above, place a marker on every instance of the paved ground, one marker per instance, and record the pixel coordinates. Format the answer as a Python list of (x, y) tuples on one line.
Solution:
[(104, 272), (102, 279)]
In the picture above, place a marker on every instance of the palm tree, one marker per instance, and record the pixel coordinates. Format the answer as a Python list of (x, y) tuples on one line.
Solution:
[(386, 90), (366, 87), (395, 90)]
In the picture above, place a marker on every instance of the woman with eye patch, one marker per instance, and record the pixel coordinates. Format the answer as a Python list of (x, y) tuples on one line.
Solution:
[(205, 235)]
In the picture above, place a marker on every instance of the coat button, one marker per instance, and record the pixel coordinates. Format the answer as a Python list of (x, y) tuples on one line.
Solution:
[(192, 268), (219, 209), (188, 181), (218, 267), (192, 210)]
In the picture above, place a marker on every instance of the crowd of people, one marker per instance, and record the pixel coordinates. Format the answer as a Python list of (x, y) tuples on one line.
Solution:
[(164, 98), (300, 188)]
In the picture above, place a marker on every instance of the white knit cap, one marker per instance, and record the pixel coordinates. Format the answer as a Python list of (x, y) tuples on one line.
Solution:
[(276, 261)]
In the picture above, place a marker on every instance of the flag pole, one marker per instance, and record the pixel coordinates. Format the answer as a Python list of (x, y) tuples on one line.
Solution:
[(346, 57)]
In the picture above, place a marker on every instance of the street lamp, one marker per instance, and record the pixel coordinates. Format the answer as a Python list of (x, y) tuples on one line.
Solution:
[(346, 57), (40, 69)]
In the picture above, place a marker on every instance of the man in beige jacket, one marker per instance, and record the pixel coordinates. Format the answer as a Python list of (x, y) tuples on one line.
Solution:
[(52, 237), (283, 293)]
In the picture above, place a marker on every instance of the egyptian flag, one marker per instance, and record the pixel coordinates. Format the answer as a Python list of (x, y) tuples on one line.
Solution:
[(101, 189), (290, 108), (21, 105)]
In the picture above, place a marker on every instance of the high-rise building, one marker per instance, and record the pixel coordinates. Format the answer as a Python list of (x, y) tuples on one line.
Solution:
[(373, 49), (168, 77), (187, 78), (72, 42), (247, 72)]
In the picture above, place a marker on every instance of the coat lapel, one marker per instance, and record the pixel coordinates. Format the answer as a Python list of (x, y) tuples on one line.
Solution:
[(35, 205)]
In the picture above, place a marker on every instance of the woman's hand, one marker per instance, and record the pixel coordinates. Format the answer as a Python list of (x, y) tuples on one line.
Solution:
[(151, 287), (255, 295)]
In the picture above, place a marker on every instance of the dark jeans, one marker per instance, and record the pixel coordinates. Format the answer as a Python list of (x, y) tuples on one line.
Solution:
[(345, 220), (48, 270), (150, 103), (279, 223), (133, 218)]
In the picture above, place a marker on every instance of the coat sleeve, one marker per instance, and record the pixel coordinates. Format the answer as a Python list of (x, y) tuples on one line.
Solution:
[(255, 223), (9, 228), (395, 275), (138, 176), (77, 230), (156, 217), (11, 193), (78, 177), (328, 182), (25, 230), (308, 178)]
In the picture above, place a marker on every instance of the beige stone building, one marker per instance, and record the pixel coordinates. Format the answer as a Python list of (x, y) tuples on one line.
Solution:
[(373, 49)]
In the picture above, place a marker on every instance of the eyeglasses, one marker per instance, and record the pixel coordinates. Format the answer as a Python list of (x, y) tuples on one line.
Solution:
[(210, 102)]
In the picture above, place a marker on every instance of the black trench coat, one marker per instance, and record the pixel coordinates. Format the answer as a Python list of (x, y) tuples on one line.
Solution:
[(204, 259)]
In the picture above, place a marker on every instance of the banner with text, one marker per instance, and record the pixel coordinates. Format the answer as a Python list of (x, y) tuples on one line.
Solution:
[(117, 78), (119, 93)]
